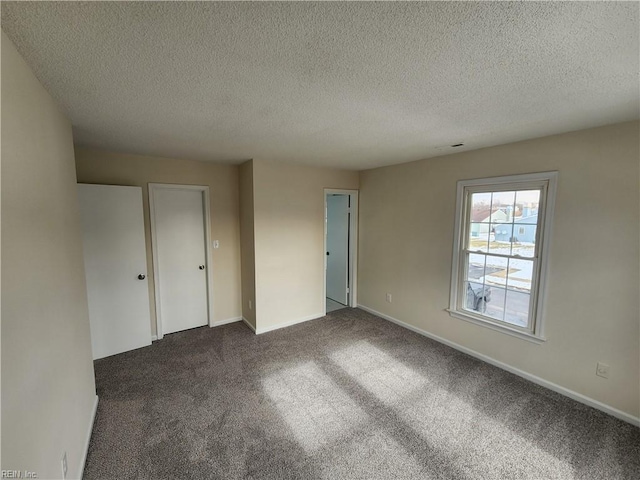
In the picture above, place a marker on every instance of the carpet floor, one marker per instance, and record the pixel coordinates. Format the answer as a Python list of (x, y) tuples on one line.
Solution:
[(343, 397)]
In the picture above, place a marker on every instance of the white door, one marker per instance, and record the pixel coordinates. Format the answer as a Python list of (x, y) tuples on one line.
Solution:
[(337, 247), (181, 266), (115, 265)]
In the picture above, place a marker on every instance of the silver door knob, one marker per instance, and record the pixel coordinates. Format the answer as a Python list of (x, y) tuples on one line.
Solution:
[(201, 267), (141, 276)]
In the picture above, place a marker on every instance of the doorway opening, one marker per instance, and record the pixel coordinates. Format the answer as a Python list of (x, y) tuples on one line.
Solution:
[(340, 252)]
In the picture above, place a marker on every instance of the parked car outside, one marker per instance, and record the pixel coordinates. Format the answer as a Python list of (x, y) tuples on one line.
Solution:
[(477, 297)]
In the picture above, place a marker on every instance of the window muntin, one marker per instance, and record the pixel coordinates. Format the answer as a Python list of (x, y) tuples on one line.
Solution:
[(500, 252)]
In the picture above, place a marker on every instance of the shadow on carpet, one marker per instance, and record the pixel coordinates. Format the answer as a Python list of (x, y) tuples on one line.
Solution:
[(343, 397)]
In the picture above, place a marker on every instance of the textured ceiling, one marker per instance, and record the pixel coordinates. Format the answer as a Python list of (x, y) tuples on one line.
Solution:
[(354, 85)]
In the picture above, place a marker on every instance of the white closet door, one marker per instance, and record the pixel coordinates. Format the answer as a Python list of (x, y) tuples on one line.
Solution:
[(179, 236), (115, 265), (337, 247)]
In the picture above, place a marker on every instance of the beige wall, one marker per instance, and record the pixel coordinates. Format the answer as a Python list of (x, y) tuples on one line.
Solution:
[(95, 166), (406, 241), (289, 239), (247, 243), (48, 389)]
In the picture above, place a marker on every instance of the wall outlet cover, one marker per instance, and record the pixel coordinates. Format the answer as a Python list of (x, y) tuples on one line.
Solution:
[(602, 370)]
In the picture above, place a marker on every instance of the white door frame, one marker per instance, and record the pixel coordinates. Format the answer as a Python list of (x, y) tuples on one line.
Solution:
[(352, 297), (207, 247)]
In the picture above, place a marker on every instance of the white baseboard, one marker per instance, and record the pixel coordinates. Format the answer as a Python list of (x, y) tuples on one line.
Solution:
[(288, 324), (218, 323), (249, 324), (88, 438), (521, 373)]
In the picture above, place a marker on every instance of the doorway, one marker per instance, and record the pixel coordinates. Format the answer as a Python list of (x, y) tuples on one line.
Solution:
[(180, 234), (341, 220)]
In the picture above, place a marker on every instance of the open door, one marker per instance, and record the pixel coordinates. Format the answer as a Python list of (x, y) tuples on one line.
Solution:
[(338, 248)]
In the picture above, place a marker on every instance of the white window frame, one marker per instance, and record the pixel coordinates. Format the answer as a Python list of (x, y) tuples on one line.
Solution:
[(546, 182)]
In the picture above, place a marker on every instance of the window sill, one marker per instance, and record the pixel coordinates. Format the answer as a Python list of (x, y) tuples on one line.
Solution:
[(529, 337)]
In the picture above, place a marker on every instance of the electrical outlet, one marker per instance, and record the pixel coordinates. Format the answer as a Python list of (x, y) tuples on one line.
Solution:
[(389, 297), (64, 465), (250, 305), (602, 370)]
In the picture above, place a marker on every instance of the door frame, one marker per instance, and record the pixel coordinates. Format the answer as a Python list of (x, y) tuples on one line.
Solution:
[(153, 187), (352, 296)]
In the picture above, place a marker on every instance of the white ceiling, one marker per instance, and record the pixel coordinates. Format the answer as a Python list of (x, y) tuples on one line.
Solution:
[(352, 85)]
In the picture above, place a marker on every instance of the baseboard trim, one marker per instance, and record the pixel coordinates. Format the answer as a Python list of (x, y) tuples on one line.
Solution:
[(226, 321), (154, 338), (83, 461), (614, 412), (288, 324), (249, 324)]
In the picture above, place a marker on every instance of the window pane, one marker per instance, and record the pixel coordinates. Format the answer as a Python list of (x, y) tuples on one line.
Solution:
[(495, 279), (496, 270), (475, 268), (488, 269), (502, 232), (501, 238), (479, 236), (479, 219), (517, 308), (527, 204), (520, 275), (524, 240), (476, 297), (495, 302), (480, 201), (502, 207)]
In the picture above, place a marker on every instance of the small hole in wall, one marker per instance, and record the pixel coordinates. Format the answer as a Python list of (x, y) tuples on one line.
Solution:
[(457, 145)]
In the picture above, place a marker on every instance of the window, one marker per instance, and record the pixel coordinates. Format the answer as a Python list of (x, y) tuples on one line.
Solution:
[(501, 247)]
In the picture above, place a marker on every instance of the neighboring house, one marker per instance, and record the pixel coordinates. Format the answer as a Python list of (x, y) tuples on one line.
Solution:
[(524, 230), (481, 218)]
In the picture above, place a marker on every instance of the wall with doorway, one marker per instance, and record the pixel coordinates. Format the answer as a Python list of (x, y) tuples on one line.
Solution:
[(289, 239), (96, 166)]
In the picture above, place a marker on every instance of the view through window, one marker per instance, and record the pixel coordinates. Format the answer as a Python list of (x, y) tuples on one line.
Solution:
[(500, 229), (503, 226)]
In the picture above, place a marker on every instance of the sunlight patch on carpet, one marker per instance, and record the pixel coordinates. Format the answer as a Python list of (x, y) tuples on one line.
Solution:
[(378, 372), (316, 410)]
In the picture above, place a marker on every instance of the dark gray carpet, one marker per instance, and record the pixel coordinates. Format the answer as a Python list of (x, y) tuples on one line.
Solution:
[(345, 396)]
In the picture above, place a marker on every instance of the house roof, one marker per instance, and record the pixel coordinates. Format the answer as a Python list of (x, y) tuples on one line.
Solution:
[(527, 219), (483, 213), (341, 84)]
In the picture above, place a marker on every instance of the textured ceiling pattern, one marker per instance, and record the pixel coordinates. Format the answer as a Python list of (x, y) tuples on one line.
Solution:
[(354, 85)]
